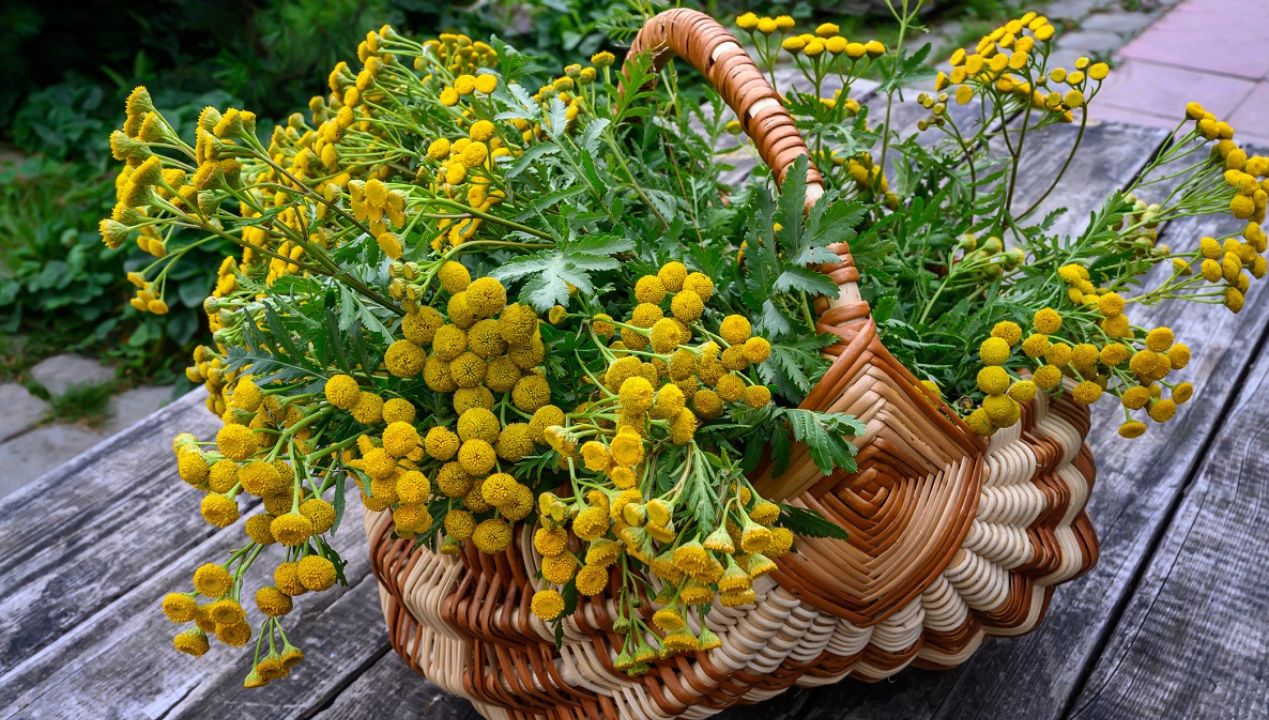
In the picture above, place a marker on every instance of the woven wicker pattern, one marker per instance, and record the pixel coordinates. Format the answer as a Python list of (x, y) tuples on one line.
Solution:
[(952, 538)]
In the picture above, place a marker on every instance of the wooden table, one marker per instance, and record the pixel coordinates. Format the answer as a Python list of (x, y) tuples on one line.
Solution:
[(1173, 621)]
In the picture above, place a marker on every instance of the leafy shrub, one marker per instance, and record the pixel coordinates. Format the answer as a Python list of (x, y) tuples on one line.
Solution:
[(55, 275), (63, 287), (60, 285)]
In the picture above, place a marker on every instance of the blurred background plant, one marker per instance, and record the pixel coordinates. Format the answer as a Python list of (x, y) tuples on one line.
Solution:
[(60, 287)]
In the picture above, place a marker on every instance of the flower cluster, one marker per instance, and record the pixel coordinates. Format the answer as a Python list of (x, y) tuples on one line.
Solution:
[(459, 54), (370, 333), (651, 410), (472, 300), (481, 354), (1093, 342), (1009, 68), (823, 56), (1075, 293), (244, 463)]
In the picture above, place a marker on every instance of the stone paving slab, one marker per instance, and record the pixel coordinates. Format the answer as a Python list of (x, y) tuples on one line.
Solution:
[(1218, 36), (1251, 119), (19, 410), (30, 455), (59, 373), (1073, 9), (1090, 42), (1164, 89), (1109, 113), (130, 406), (1120, 23)]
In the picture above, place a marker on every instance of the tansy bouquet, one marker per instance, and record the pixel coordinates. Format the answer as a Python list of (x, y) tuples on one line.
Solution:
[(485, 305), (493, 300)]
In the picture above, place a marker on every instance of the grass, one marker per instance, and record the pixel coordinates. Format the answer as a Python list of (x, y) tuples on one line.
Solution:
[(88, 404)]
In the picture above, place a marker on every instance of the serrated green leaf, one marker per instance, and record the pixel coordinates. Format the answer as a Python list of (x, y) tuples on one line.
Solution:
[(590, 136), (832, 221), (601, 244), (535, 154), (339, 502), (809, 523), (335, 340), (791, 203), (781, 447), (773, 323), (824, 435), (556, 121), (796, 277)]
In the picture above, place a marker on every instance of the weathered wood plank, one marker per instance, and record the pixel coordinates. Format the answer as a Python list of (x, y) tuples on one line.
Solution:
[(389, 690), (1109, 156), (341, 640), (122, 658), (1194, 640), (81, 485), (85, 534), (1137, 484)]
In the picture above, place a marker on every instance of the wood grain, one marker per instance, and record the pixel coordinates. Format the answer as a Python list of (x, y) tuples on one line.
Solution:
[(124, 654), (93, 629), (390, 690), (1194, 641), (105, 521)]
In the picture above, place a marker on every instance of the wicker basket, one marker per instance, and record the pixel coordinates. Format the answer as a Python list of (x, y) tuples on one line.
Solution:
[(952, 538)]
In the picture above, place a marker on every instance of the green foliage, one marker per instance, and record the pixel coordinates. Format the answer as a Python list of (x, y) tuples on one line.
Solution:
[(65, 290), (810, 523), (551, 271), (270, 57), (824, 434), (64, 119), (83, 403)]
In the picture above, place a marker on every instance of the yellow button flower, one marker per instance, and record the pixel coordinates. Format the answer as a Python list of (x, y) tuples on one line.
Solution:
[(547, 604)]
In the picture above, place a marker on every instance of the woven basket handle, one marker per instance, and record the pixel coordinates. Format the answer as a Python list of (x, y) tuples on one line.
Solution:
[(713, 50)]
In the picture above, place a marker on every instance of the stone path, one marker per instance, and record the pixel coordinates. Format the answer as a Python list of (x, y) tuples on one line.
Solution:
[(1212, 51), (30, 446)]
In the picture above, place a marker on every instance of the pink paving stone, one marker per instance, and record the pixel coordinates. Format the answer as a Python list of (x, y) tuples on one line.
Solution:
[(1252, 116), (1109, 113), (1164, 90), (1221, 36)]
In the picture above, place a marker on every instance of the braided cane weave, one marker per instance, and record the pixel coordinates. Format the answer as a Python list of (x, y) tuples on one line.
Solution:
[(952, 537)]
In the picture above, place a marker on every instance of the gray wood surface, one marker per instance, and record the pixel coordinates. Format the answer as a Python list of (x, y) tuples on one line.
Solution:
[(1171, 622), (1194, 639)]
